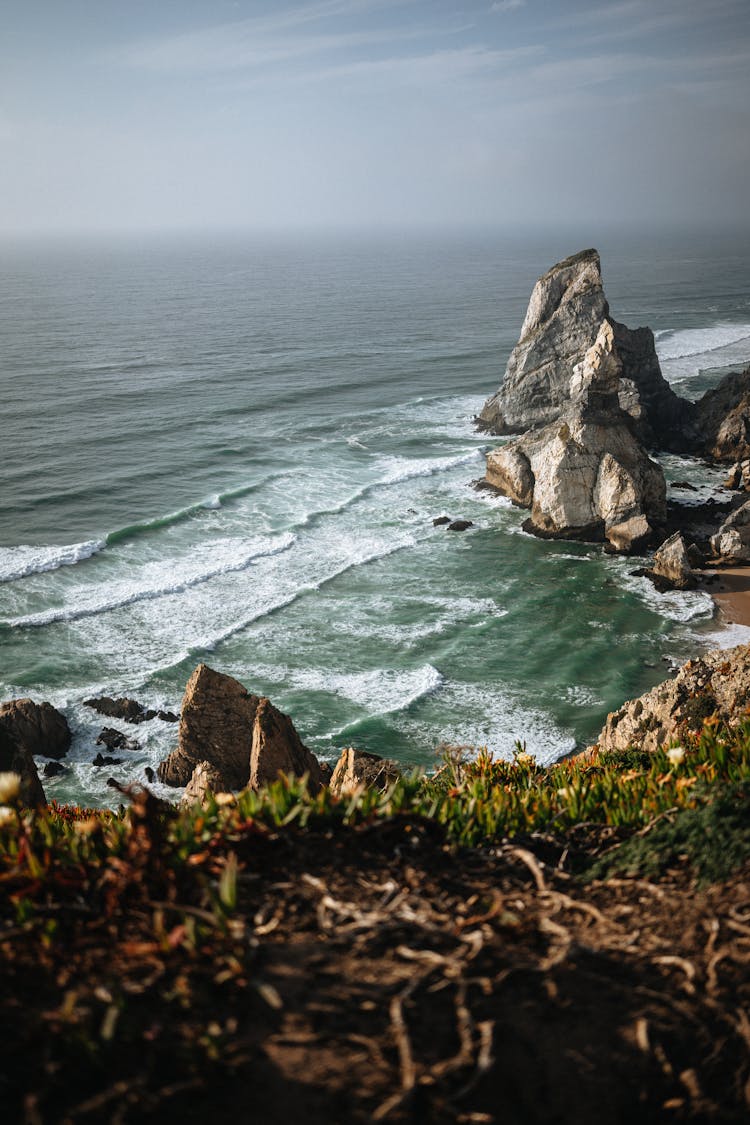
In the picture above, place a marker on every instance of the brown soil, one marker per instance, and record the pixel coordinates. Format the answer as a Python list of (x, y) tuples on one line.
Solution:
[(379, 975)]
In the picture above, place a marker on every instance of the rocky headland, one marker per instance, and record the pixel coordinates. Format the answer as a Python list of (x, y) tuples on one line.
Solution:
[(588, 398)]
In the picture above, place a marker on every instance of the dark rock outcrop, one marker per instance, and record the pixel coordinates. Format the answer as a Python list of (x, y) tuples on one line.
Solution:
[(116, 740), (723, 419), (564, 317), (28, 729), (129, 710), (53, 769), (39, 727), (242, 737), (357, 769), (586, 475), (460, 525)]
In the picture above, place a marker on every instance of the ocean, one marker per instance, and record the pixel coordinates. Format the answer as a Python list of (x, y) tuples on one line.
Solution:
[(231, 449)]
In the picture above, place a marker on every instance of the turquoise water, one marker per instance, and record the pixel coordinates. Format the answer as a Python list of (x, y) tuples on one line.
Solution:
[(233, 451)]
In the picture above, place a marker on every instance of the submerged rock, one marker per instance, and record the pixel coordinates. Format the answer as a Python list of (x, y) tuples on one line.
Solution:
[(586, 475), (716, 684), (460, 525), (357, 769), (242, 737), (564, 317), (53, 769)]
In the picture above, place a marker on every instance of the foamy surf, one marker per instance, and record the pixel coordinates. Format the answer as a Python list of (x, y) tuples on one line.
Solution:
[(24, 560)]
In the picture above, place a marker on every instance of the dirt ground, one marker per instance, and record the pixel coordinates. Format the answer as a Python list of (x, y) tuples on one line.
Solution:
[(376, 975)]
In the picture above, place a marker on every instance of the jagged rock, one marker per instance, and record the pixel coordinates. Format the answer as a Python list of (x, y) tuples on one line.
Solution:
[(217, 720), (732, 540), (53, 769), (168, 716), (739, 477), (150, 775), (130, 710), (26, 729), (672, 564), (38, 727), (441, 521), (460, 525), (723, 418), (717, 683), (242, 736), (205, 779), (685, 485), (102, 760), (585, 476), (564, 317), (116, 740), (357, 769), (277, 749)]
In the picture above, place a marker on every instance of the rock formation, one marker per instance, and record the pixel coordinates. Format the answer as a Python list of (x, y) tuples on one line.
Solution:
[(242, 737), (27, 729), (205, 779), (564, 318), (723, 419), (585, 475), (39, 727), (717, 683), (732, 540), (671, 566), (129, 710), (356, 769)]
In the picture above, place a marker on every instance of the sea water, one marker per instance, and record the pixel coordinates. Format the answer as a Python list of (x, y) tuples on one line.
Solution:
[(232, 450)]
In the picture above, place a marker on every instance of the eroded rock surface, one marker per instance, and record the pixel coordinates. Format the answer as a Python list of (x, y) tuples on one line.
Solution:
[(717, 683), (672, 564), (205, 779), (28, 728), (723, 417), (242, 737), (564, 317), (217, 720), (732, 540), (357, 769), (586, 475)]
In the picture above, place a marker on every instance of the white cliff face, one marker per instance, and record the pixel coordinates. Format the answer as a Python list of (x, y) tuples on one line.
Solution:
[(563, 319), (585, 475)]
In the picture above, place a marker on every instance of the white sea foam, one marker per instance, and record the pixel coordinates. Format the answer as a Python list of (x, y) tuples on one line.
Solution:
[(675, 605), (728, 636), (700, 341), (398, 469), (355, 443), (213, 502), (380, 691), (238, 554), (24, 560)]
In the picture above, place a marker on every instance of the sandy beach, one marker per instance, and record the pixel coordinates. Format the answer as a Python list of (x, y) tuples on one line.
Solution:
[(732, 594)]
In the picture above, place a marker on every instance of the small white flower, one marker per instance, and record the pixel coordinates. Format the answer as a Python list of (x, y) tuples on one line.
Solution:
[(563, 793), (10, 787), (7, 816), (676, 755)]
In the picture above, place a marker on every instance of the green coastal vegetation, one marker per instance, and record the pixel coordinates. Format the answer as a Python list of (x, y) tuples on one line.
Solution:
[(375, 951)]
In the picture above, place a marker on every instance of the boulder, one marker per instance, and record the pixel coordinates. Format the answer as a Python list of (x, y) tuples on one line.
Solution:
[(241, 736), (717, 683), (441, 521), (217, 720), (277, 749), (205, 779), (459, 525), (53, 769), (586, 475), (672, 564), (732, 540), (357, 769), (108, 760), (564, 317), (38, 727)]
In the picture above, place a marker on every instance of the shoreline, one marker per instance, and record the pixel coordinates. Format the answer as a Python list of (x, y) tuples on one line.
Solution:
[(730, 590)]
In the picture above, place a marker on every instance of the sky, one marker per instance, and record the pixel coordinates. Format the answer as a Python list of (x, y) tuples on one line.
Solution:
[(162, 114)]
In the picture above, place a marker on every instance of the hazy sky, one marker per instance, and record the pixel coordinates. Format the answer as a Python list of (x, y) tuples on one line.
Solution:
[(172, 113)]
